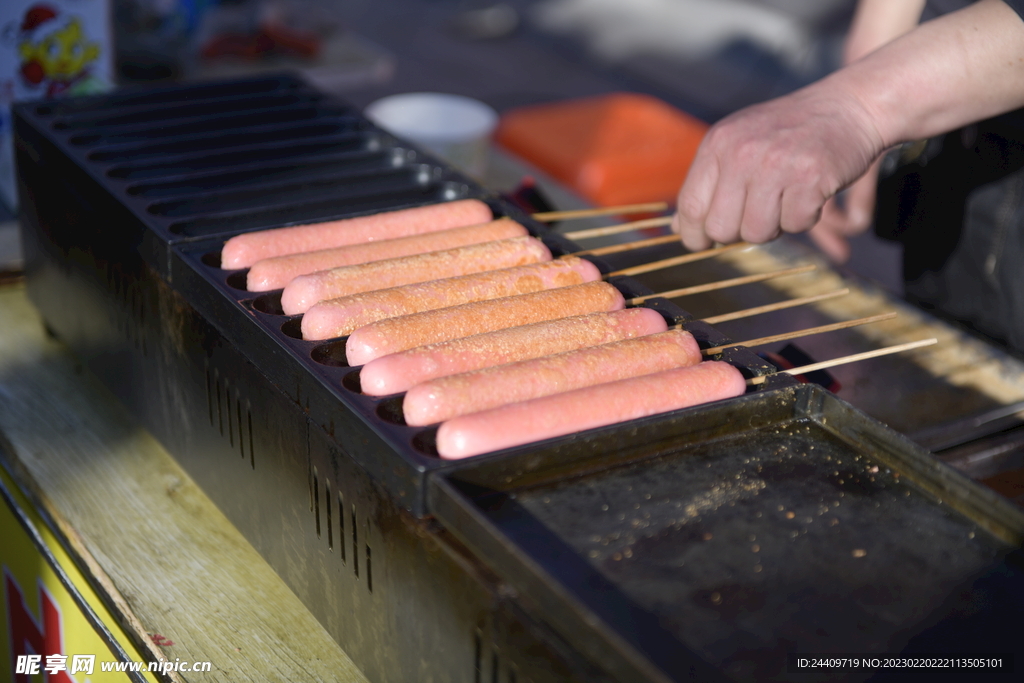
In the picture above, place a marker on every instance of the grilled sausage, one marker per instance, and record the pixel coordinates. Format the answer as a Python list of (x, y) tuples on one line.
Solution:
[(588, 408), (276, 272), (337, 317), (307, 290), (399, 372), (472, 392), (242, 251), (430, 327)]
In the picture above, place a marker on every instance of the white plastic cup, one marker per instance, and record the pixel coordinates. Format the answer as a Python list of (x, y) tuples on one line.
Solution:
[(457, 129)]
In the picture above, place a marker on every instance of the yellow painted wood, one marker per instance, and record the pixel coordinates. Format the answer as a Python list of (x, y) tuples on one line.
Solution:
[(169, 561)]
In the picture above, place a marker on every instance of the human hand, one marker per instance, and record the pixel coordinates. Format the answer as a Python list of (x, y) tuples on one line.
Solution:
[(839, 223), (772, 167)]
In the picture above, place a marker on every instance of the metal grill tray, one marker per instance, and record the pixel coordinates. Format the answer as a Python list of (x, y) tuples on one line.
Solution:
[(174, 198), (316, 376), (128, 199), (734, 534), (168, 166)]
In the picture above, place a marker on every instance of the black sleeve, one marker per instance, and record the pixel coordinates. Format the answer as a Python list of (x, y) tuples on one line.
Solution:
[(1017, 6)]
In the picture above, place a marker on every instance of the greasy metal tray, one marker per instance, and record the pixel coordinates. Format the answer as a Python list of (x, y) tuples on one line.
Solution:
[(718, 539)]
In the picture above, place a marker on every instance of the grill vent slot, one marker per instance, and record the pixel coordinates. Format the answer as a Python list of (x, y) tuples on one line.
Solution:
[(328, 506), (341, 526), (238, 414), (220, 406), (129, 315), (227, 410), (353, 517), (242, 418), (252, 447), (316, 500), (355, 542), (488, 664), (209, 394), (477, 657), (369, 570)]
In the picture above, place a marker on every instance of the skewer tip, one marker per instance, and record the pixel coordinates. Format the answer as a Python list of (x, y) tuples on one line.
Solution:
[(888, 350)]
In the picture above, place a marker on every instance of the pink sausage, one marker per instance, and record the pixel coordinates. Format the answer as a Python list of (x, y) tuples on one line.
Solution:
[(307, 290), (400, 371), (588, 408), (337, 317), (430, 327), (471, 392), (276, 272), (242, 251)]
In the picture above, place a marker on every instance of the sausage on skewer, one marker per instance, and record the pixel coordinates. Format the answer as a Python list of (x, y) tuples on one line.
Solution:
[(409, 331), (399, 372), (449, 397), (405, 332), (596, 406), (605, 404), (307, 290), (242, 251), (341, 316), (278, 271)]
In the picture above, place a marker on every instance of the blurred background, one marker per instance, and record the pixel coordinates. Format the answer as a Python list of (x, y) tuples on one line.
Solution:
[(704, 57), (708, 57)]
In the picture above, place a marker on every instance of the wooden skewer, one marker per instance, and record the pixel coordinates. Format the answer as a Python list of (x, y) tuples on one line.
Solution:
[(721, 284), (802, 333), (655, 265), (678, 260), (625, 209), (627, 246), (849, 359), (769, 308), (658, 222)]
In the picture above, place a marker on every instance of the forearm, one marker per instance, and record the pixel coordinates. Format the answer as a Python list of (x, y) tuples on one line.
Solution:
[(773, 166), (877, 22), (960, 68)]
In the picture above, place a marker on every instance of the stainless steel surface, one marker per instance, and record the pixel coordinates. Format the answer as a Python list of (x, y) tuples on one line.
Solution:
[(987, 457), (957, 432)]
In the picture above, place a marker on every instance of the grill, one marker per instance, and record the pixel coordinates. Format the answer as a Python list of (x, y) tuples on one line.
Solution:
[(479, 570)]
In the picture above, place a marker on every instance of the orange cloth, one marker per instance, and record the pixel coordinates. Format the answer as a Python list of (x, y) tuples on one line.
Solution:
[(621, 148)]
